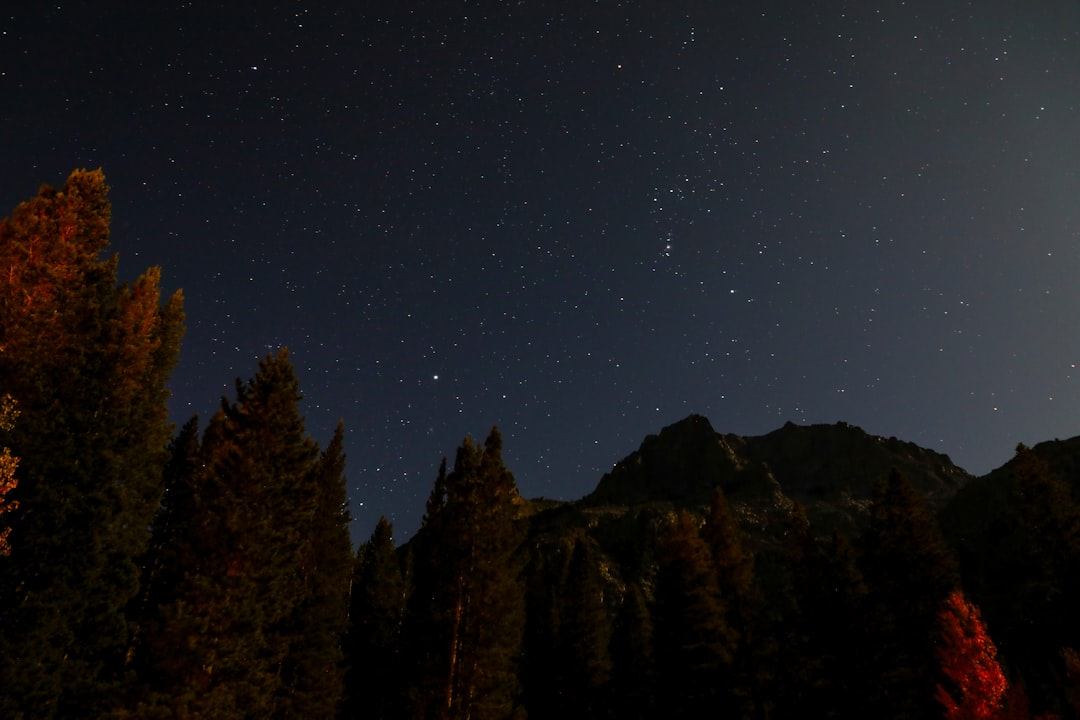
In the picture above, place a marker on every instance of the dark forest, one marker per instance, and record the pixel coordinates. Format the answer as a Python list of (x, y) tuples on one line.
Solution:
[(207, 571)]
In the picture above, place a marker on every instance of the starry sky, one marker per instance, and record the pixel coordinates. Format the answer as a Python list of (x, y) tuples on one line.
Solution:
[(584, 221)]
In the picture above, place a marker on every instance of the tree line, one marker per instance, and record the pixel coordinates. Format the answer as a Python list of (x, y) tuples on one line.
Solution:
[(208, 573)]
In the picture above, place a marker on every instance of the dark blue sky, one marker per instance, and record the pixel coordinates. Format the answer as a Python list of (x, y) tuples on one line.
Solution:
[(584, 221)]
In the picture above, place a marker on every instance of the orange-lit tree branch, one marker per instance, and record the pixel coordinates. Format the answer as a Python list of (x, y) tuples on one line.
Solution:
[(968, 659), (8, 464)]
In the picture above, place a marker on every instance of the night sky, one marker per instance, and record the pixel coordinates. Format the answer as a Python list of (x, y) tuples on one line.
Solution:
[(583, 221)]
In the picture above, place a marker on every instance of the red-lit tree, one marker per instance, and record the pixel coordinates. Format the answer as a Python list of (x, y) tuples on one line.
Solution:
[(968, 659), (88, 358), (8, 464)]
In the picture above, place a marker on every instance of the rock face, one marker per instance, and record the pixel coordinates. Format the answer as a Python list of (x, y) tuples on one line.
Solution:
[(830, 469), (681, 465)]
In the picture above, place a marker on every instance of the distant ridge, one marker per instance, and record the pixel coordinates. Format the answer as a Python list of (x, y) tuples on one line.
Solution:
[(1013, 532), (830, 469)]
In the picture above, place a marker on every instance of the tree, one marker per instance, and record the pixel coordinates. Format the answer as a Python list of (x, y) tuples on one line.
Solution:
[(585, 634), (465, 621), (374, 680), (632, 638), (968, 659), (87, 358), (1032, 591), (224, 641), (733, 564), (542, 671), (733, 561), (8, 464), (909, 572), (694, 646), (824, 649), (167, 558), (313, 671), (1048, 521)]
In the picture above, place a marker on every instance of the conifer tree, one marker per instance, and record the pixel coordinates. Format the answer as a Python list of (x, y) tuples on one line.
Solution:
[(733, 564), (541, 670), (164, 562), (313, 671), (800, 664), (632, 652), (8, 464), (465, 624), (733, 561), (694, 645), (824, 646), (223, 640), (1071, 660), (87, 359), (976, 686), (1031, 591), (1048, 520), (374, 679), (585, 635), (909, 572)]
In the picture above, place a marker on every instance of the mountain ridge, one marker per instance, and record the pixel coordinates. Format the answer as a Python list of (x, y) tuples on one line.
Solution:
[(829, 469)]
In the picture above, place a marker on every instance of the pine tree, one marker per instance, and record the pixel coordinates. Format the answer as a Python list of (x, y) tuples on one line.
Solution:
[(374, 680), (1032, 591), (8, 464), (824, 647), (1049, 524), (968, 658), (733, 561), (694, 646), (87, 359), (585, 635), (313, 672), (1071, 660), (465, 624), (541, 671), (222, 641), (733, 564), (633, 694), (909, 572), (164, 562)]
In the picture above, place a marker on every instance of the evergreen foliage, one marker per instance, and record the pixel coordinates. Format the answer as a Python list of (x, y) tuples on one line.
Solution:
[(541, 668), (164, 563), (909, 572), (1049, 527), (976, 686), (733, 564), (585, 634), (464, 625), (824, 640), (86, 358), (633, 681), (567, 656), (694, 645), (312, 671), (1032, 592), (374, 687), (258, 568), (8, 465)]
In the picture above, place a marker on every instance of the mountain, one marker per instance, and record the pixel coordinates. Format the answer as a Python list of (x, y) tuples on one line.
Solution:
[(599, 562), (981, 521), (830, 469), (986, 499)]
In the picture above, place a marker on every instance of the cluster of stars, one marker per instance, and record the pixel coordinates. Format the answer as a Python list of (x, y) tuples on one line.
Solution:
[(583, 223)]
